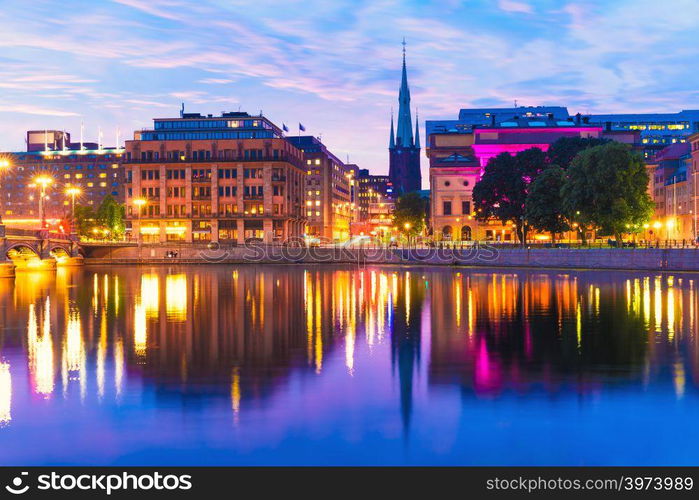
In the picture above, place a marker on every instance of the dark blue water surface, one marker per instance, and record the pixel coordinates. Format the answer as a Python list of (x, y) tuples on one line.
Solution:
[(348, 365)]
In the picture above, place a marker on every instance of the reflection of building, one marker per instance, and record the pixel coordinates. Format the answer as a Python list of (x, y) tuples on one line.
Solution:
[(671, 174), (227, 178), (328, 184), (94, 169), (404, 148)]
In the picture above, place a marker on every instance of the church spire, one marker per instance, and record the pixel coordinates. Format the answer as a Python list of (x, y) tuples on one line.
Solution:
[(417, 131), (404, 136), (392, 141)]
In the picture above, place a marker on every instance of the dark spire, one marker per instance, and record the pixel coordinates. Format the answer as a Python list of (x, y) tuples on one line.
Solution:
[(404, 136), (417, 131), (392, 142)]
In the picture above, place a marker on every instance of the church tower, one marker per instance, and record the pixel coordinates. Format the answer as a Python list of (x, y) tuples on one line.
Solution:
[(404, 148)]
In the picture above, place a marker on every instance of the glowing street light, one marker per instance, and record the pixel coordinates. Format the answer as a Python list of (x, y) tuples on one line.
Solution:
[(73, 192), (43, 181)]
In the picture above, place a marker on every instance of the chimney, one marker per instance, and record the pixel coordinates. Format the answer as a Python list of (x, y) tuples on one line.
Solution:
[(577, 118)]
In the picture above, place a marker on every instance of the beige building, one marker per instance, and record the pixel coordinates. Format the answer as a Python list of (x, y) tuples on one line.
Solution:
[(672, 176), (329, 183), (454, 171), (202, 178)]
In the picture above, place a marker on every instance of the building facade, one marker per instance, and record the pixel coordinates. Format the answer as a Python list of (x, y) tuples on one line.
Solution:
[(672, 178), (231, 178), (403, 147), (95, 171), (458, 156), (328, 184)]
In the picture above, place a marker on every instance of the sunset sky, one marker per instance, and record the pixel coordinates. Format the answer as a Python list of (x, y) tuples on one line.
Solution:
[(335, 65)]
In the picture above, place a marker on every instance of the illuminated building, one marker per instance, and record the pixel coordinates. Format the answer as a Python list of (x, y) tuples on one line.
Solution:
[(672, 193), (404, 148), (457, 158), (95, 170), (372, 191), (658, 130), (229, 178), (328, 184)]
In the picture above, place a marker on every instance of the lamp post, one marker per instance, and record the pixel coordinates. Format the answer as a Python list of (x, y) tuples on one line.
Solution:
[(4, 165), (43, 181), (139, 202), (72, 192)]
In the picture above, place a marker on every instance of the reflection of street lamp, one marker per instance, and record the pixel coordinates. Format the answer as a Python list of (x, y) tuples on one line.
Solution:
[(43, 181), (139, 202), (4, 165)]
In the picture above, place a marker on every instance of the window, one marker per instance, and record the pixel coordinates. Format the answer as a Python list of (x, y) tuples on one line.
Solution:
[(465, 207), (447, 183), (446, 208)]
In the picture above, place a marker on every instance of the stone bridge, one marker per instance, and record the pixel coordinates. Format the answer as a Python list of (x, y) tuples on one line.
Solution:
[(36, 249)]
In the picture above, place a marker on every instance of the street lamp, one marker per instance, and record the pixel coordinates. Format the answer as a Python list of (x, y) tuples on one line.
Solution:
[(73, 192), (4, 165), (43, 181), (139, 202)]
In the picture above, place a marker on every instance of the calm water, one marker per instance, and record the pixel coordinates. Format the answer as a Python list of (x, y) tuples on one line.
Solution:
[(347, 365)]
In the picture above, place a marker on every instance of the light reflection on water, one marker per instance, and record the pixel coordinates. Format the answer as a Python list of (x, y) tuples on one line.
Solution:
[(286, 365)]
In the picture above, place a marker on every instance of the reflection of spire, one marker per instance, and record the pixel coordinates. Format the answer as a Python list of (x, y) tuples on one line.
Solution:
[(405, 352)]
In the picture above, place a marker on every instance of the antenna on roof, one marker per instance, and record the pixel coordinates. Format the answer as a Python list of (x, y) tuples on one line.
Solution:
[(515, 103)]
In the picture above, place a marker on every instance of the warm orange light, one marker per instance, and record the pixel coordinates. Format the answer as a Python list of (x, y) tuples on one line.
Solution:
[(139, 202), (73, 191), (43, 180)]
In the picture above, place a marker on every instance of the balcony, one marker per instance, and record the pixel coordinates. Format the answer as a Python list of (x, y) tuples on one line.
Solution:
[(238, 159), (256, 197), (278, 178)]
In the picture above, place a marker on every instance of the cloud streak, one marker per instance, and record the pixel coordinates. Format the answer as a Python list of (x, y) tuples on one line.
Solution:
[(335, 66)]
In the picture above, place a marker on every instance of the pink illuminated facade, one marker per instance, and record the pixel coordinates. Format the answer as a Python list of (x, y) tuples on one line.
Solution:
[(458, 155), (490, 142)]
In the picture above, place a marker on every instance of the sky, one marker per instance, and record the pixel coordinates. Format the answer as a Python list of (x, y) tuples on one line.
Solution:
[(334, 65)]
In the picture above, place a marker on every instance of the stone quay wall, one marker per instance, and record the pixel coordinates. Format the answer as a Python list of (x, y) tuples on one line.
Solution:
[(632, 259)]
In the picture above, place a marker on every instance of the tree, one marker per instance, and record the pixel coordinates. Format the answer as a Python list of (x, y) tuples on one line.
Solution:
[(110, 216), (544, 204), (502, 191), (607, 186), (563, 151), (84, 221), (409, 215)]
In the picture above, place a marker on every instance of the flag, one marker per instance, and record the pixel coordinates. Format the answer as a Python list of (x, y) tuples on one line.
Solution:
[(284, 127), (301, 127)]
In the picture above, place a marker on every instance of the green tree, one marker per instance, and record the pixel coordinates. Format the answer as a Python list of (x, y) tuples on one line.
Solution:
[(544, 204), (607, 186), (110, 216), (563, 151), (409, 215), (85, 220), (502, 191)]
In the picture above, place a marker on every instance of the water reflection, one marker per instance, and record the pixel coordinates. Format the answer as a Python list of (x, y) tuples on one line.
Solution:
[(253, 335)]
